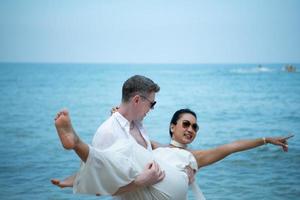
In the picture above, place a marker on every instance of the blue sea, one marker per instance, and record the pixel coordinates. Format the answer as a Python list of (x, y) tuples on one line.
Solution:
[(232, 101)]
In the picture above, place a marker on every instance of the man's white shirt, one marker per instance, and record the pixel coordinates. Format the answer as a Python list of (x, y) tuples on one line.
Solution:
[(115, 128)]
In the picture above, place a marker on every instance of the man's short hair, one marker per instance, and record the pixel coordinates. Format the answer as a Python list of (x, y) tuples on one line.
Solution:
[(138, 85)]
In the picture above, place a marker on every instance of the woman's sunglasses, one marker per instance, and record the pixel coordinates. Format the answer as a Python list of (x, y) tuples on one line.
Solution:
[(186, 124)]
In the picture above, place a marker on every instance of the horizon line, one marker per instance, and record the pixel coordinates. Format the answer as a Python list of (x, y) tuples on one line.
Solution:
[(146, 63)]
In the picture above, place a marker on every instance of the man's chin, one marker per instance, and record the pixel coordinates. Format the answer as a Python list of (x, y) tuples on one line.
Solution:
[(138, 119)]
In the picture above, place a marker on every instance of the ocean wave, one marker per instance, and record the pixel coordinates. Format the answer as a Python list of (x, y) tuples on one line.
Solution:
[(252, 70)]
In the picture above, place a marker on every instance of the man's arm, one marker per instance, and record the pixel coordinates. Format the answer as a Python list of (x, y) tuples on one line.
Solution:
[(151, 175)]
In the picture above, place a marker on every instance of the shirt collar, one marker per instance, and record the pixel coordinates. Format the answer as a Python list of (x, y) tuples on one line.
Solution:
[(125, 124), (122, 120)]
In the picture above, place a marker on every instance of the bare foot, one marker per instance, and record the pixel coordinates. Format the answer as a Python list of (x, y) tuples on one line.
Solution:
[(64, 128), (61, 184), (68, 182)]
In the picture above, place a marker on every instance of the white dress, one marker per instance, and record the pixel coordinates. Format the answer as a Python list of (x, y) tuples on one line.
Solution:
[(105, 171)]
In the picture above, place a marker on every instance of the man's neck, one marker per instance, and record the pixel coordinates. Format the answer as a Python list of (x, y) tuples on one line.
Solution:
[(126, 112)]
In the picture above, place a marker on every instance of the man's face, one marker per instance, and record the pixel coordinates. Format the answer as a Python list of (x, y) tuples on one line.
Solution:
[(145, 104)]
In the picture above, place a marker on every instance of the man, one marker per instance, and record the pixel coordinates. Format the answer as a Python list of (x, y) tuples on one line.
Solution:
[(138, 97)]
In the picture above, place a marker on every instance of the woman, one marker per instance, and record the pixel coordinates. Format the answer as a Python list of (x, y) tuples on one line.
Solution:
[(183, 129), (174, 161)]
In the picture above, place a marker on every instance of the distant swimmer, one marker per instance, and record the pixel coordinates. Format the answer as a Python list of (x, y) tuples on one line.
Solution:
[(290, 68)]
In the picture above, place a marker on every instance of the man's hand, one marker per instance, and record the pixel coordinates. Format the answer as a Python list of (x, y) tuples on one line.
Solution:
[(152, 174), (190, 173)]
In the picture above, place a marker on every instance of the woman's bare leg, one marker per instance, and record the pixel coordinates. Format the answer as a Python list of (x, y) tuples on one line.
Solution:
[(68, 136)]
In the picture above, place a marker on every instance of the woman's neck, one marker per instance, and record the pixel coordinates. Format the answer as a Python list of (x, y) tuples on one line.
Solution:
[(177, 144)]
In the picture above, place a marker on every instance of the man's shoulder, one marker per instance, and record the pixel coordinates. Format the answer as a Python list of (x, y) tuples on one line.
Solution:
[(107, 125), (107, 133)]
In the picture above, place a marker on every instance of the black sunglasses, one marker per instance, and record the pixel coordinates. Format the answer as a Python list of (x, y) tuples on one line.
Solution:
[(187, 124), (152, 103)]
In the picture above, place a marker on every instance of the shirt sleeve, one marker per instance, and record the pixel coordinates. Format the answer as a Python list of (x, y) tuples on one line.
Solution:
[(105, 171)]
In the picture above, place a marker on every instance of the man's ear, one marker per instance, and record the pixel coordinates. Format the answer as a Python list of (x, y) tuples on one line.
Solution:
[(136, 98)]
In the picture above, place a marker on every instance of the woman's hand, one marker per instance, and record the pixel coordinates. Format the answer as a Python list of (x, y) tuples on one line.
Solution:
[(114, 109), (280, 141)]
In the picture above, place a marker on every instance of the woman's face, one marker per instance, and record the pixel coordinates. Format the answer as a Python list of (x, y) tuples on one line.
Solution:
[(186, 129)]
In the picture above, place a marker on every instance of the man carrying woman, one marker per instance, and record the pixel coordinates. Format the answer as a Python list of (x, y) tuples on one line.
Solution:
[(120, 160)]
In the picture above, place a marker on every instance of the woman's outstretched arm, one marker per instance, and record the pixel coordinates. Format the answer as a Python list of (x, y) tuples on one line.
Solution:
[(208, 157)]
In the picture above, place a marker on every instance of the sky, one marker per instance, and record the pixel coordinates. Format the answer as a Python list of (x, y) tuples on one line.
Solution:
[(150, 31)]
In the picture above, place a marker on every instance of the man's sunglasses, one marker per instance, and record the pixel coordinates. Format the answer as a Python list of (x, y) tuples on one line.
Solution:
[(152, 103), (186, 124)]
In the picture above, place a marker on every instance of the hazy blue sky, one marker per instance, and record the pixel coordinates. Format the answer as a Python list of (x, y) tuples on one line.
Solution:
[(150, 31)]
